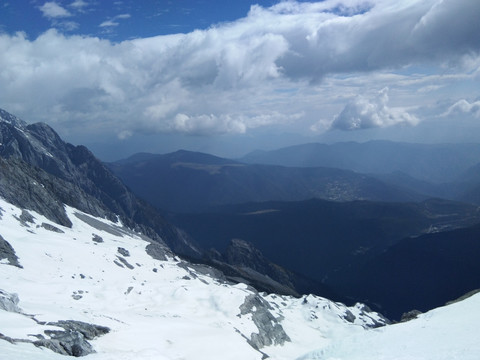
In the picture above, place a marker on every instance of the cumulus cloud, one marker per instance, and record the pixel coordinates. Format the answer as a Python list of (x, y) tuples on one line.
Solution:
[(463, 107), (224, 79), (363, 113), (53, 10)]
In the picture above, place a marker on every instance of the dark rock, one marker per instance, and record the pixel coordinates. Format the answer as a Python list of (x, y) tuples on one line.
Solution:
[(158, 251), (125, 262), (50, 227), (26, 217), (123, 252), (348, 316), (89, 331), (96, 238), (73, 340), (68, 342), (410, 315), (194, 269), (270, 332), (7, 252)]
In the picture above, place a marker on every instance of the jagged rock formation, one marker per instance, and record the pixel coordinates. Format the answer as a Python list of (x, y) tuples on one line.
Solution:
[(7, 252), (39, 171), (270, 332), (72, 340)]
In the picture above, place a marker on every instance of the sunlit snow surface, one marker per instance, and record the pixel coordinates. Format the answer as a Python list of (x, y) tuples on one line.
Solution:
[(158, 310)]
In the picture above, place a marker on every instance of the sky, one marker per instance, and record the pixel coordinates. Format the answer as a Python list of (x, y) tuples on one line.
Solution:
[(229, 77)]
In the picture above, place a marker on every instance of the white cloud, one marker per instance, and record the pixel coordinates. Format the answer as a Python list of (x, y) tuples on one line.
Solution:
[(228, 78), (363, 113), (79, 4), (463, 107), (112, 22), (52, 10)]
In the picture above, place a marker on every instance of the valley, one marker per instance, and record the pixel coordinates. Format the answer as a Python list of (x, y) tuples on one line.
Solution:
[(326, 258)]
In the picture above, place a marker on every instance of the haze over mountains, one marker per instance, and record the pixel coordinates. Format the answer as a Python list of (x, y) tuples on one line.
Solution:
[(74, 235), (266, 199), (434, 163), (186, 181)]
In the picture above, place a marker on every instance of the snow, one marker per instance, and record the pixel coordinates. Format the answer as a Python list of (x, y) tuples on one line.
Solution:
[(177, 313)]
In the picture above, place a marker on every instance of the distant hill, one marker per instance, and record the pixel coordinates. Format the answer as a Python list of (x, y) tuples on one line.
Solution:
[(435, 163), (186, 181)]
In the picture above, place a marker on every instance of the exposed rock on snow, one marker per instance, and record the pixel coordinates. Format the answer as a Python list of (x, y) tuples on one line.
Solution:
[(70, 341), (9, 302), (164, 309), (270, 332), (51, 227), (7, 252)]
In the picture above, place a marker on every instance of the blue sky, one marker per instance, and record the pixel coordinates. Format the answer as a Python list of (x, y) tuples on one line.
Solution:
[(230, 77), (120, 20)]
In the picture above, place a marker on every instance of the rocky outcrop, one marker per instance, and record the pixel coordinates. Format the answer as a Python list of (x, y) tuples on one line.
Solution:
[(9, 302), (270, 332), (41, 172), (7, 252), (72, 340)]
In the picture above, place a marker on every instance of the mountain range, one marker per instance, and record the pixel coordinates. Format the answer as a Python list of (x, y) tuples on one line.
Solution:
[(433, 163), (90, 269), (186, 181)]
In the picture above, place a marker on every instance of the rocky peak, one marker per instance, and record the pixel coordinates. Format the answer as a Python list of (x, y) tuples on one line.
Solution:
[(86, 183), (243, 253), (11, 119)]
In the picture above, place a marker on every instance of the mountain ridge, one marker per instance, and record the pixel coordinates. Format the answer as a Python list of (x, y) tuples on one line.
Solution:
[(435, 163), (40, 148), (193, 181)]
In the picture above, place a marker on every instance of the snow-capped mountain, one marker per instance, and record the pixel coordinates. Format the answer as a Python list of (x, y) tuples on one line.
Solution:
[(97, 287), (143, 301), (71, 175), (80, 277)]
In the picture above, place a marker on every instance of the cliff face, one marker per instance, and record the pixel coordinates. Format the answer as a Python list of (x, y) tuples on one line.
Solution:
[(40, 171)]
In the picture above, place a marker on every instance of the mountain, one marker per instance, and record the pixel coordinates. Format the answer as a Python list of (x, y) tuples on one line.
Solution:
[(419, 272), (187, 181), (243, 262), (79, 279), (320, 239), (435, 163), (467, 185), (97, 287), (35, 159), (93, 288), (315, 237)]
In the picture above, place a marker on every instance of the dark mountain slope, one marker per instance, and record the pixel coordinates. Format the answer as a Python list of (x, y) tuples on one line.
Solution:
[(435, 163), (317, 237), (30, 152), (467, 187), (186, 182), (417, 273)]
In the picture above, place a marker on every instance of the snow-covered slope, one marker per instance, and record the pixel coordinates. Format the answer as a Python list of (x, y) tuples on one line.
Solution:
[(138, 301)]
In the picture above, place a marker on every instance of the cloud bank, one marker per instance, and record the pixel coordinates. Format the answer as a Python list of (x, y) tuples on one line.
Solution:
[(232, 77)]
